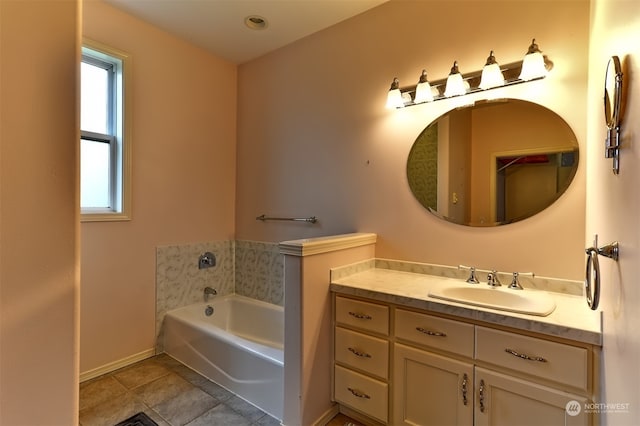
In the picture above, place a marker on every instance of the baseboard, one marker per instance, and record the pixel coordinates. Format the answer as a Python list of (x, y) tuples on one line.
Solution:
[(112, 366), (359, 417), (327, 416)]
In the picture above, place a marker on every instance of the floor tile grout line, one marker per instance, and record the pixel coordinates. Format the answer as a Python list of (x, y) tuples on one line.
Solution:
[(195, 380)]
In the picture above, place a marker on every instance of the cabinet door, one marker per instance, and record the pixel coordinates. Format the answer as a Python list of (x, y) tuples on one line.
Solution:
[(505, 400), (429, 389)]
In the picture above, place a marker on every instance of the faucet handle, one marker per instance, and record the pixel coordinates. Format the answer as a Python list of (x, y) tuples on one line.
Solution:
[(473, 279), (515, 282), (492, 279)]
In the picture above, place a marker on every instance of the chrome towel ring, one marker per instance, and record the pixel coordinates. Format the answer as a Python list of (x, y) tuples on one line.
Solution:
[(592, 292), (593, 296)]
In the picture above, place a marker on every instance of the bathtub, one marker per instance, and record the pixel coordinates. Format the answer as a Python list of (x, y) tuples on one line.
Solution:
[(240, 346)]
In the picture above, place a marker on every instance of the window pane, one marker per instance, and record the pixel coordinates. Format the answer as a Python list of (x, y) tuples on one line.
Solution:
[(94, 98), (94, 174)]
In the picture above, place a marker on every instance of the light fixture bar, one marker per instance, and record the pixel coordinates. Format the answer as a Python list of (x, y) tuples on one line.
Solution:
[(511, 72)]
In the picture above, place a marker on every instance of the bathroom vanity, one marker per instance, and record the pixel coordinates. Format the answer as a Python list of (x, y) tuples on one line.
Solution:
[(403, 357)]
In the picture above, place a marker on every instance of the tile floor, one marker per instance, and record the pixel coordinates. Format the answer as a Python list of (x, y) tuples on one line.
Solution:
[(169, 393)]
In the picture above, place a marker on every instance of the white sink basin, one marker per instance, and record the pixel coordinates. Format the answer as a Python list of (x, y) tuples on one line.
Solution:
[(530, 302)]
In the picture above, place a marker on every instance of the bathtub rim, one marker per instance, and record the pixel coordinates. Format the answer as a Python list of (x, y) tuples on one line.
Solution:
[(185, 316)]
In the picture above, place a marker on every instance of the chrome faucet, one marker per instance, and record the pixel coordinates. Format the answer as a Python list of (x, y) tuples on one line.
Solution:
[(493, 280), (208, 291), (473, 279), (515, 282)]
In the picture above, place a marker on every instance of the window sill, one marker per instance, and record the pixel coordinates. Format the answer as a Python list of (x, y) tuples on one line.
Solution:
[(105, 217)]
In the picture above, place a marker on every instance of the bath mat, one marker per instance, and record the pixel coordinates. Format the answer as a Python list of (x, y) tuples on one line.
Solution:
[(140, 419)]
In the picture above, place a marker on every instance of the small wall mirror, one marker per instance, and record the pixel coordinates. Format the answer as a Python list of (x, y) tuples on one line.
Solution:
[(612, 92), (612, 110), (492, 163)]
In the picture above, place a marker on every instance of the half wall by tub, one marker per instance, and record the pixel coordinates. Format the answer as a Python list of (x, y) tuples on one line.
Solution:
[(239, 346)]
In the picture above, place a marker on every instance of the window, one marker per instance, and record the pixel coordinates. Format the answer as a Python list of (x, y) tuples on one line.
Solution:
[(105, 142)]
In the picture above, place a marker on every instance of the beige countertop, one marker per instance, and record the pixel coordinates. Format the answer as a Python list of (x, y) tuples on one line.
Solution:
[(571, 319)]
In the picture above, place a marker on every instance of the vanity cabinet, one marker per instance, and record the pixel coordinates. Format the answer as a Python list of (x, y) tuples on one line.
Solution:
[(361, 353), (407, 367), (431, 389)]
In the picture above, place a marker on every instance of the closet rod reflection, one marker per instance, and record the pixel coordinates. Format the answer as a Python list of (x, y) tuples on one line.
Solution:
[(311, 219)]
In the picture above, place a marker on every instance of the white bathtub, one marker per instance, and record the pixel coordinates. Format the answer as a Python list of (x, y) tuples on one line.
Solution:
[(240, 346)]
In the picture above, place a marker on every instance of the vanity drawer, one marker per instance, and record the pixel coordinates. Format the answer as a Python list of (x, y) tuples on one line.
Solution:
[(541, 358), (361, 393), (440, 333), (364, 315), (364, 352)]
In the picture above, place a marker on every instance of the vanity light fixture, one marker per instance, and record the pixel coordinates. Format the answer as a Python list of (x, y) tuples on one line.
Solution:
[(423, 89), (534, 66), (394, 97), (455, 82), (491, 74)]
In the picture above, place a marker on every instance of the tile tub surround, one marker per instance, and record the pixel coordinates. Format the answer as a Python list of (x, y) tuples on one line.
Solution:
[(259, 271), (179, 282), (408, 284), (249, 268)]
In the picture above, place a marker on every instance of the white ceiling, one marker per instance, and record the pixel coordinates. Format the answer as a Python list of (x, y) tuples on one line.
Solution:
[(218, 25)]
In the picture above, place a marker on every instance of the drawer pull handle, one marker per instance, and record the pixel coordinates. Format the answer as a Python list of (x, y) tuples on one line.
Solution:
[(360, 316), (481, 395), (431, 333), (525, 356), (465, 378), (359, 353), (358, 393)]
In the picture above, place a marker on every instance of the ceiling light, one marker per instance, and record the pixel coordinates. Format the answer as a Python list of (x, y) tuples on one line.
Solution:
[(256, 22)]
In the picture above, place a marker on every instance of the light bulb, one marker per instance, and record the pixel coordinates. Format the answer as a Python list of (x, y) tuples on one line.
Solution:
[(491, 74), (533, 65), (423, 90), (394, 97), (455, 82)]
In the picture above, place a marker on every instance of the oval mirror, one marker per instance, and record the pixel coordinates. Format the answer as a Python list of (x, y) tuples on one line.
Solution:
[(492, 163), (612, 92)]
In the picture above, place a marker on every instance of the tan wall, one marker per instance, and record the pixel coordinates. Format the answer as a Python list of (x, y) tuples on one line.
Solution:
[(39, 48), (184, 120), (314, 137), (515, 134), (614, 208)]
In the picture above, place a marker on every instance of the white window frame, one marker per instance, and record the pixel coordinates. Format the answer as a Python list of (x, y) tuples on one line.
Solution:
[(119, 139)]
